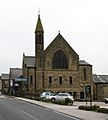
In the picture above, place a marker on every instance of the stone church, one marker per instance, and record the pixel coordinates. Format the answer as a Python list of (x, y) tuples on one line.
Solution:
[(56, 68)]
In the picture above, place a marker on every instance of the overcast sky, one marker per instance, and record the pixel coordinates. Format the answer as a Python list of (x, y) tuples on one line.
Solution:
[(83, 23)]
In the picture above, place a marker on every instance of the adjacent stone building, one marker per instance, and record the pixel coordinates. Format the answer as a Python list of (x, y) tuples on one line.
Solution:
[(0, 84), (29, 72), (56, 68), (16, 79), (100, 87), (5, 82)]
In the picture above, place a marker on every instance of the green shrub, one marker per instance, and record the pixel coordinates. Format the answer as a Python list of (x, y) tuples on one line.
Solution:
[(102, 110), (82, 107), (94, 108), (89, 108)]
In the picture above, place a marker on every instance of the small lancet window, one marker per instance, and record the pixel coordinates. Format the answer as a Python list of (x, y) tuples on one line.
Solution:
[(85, 73)]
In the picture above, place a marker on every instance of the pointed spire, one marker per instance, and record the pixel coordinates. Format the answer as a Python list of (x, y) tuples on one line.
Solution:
[(39, 27)]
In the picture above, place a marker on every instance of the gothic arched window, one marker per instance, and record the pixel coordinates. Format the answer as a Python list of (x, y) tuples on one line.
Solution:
[(40, 40), (59, 60), (37, 39)]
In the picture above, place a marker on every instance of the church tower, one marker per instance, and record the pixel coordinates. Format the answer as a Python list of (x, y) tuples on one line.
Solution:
[(39, 43), (39, 54)]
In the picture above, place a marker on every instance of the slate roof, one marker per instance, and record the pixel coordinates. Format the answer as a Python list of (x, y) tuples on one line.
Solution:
[(57, 40), (29, 61), (83, 62), (39, 27), (15, 73), (5, 76), (100, 78)]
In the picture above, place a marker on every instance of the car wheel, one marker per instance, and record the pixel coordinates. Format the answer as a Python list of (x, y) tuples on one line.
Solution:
[(53, 100), (43, 99), (71, 103)]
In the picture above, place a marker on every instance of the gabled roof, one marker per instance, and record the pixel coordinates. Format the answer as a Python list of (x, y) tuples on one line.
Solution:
[(39, 27), (83, 62), (58, 38), (29, 61), (100, 78), (15, 73), (4, 76)]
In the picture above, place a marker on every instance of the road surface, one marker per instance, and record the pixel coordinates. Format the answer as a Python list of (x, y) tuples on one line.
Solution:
[(14, 109)]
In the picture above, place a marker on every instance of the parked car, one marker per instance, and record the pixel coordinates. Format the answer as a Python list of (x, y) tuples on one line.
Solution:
[(106, 100), (47, 95), (63, 97)]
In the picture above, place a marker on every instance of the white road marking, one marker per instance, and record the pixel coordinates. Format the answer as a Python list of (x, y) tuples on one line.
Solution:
[(65, 115), (29, 115)]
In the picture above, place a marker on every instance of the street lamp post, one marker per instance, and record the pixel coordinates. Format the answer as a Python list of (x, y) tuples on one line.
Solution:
[(88, 91), (85, 93)]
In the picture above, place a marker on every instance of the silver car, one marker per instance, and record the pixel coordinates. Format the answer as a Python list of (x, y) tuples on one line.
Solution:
[(106, 100), (63, 97), (47, 95)]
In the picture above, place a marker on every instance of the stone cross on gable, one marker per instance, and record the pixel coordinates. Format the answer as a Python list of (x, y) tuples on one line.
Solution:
[(39, 11)]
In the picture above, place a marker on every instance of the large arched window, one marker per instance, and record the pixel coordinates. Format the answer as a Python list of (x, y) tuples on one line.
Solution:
[(59, 60)]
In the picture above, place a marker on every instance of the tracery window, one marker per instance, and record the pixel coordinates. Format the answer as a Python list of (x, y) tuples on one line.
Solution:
[(59, 60)]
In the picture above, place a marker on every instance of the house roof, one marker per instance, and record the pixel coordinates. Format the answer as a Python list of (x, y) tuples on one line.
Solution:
[(15, 73), (83, 62), (4, 76), (100, 78), (29, 61)]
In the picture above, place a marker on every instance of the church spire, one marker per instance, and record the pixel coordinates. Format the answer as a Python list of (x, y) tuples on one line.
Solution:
[(39, 35), (39, 27)]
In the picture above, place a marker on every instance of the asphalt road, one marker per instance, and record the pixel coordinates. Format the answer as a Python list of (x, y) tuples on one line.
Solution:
[(14, 109)]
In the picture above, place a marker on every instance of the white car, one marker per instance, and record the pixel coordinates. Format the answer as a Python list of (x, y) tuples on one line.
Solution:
[(47, 95), (63, 97), (106, 100)]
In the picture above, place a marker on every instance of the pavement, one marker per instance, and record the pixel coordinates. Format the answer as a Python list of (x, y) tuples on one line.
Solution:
[(72, 110)]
